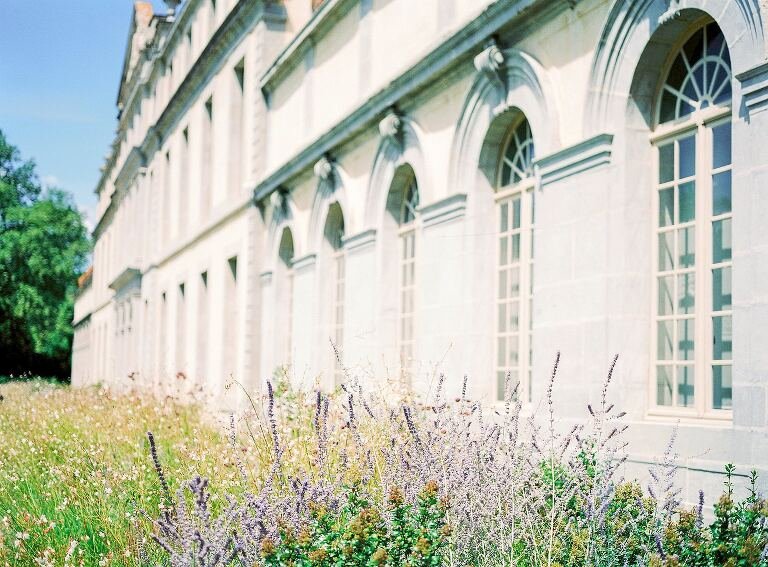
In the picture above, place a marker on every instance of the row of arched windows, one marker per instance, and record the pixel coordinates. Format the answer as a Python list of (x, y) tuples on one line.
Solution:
[(691, 356)]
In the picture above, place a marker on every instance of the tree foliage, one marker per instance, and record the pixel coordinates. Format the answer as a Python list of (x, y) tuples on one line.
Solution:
[(43, 247)]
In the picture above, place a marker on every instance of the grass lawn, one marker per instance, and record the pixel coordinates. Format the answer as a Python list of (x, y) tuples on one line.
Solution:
[(76, 474)]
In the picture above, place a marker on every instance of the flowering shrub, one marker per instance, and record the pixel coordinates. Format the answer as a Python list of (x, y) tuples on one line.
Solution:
[(503, 490)]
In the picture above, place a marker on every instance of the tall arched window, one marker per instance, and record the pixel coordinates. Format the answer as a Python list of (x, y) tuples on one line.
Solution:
[(284, 315), (514, 282), (334, 239), (403, 204), (692, 351)]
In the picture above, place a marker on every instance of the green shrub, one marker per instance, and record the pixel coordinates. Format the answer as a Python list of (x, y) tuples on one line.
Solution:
[(362, 534)]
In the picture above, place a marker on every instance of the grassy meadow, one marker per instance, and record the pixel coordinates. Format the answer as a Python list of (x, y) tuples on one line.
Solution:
[(76, 475)]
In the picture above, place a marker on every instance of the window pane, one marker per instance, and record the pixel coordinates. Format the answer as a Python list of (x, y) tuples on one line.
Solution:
[(664, 350), (722, 295), (503, 217), (723, 338), (686, 247), (501, 354), (514, 315), (687, 201), (686, 288), (722, 389), (721, 193), (502, 284), (516, 213), (664, 385), (515, 247), (666, 290), (501, 385), (687, 147), (685, 339), (721, 241), (503, 251), (502, 325), (666, 163), (685, 391), (721, 145), (666, 207), (513, 354), (514, 282), (666, 251)]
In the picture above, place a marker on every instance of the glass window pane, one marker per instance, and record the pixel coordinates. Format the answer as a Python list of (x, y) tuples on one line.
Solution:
[(516, 213), (501, 355), (503, 284), (666, 290), (686, 247), (515, 247), (685, 390), (503, 251), (664, 385), (503, 217), (514, 315), (666, 251), (513, 351), (721, 241), (502, 324), (686, 288), (722, 295), (501, 385), (685, 339), (666, 207), (514, 282), (666, 163), (722, 338), (665, 344), (687, 148), (721, 145), (722, 389), (687, 201), (721, 193)]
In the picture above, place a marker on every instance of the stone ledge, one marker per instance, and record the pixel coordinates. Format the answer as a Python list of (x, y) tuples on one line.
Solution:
[(589, 154), (754, 88), (360, 240), (444, 210)]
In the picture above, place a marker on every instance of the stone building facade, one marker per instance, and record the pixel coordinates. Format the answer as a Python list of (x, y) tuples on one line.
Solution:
[(458, 186)]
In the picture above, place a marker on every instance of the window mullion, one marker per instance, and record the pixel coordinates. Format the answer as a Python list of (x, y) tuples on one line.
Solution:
[(703, 195)]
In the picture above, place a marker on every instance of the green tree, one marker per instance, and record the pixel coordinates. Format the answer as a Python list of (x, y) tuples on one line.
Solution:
[(43, 247)]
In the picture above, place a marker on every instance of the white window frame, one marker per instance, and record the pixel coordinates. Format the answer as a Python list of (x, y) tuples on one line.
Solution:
[(701, 123), (339, 287), (525, 191), (407, 259)]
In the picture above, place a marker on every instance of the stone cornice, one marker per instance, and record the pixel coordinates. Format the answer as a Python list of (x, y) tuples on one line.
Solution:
[(754, 87), (590, 153), (225, 39), (304, 262), (444, 210), (448, 54), (321, 21), (360, 240)]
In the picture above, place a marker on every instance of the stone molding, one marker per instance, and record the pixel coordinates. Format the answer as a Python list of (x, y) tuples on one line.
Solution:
[(391, 126), (754, 88), (324, 169), (360, 240), (589, 154), (450, 208), (491, 62), (441, 60), (305, 262)]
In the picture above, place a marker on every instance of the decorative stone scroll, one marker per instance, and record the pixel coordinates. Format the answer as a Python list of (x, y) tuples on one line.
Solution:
[(491, 62)]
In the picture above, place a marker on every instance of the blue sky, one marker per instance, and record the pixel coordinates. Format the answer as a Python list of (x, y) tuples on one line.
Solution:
[(60, 63)]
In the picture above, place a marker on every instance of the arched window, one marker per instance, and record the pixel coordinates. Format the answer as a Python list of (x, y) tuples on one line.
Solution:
[(514, 275), (284, 313), (403, 204), (334, 238), (692, 350)]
